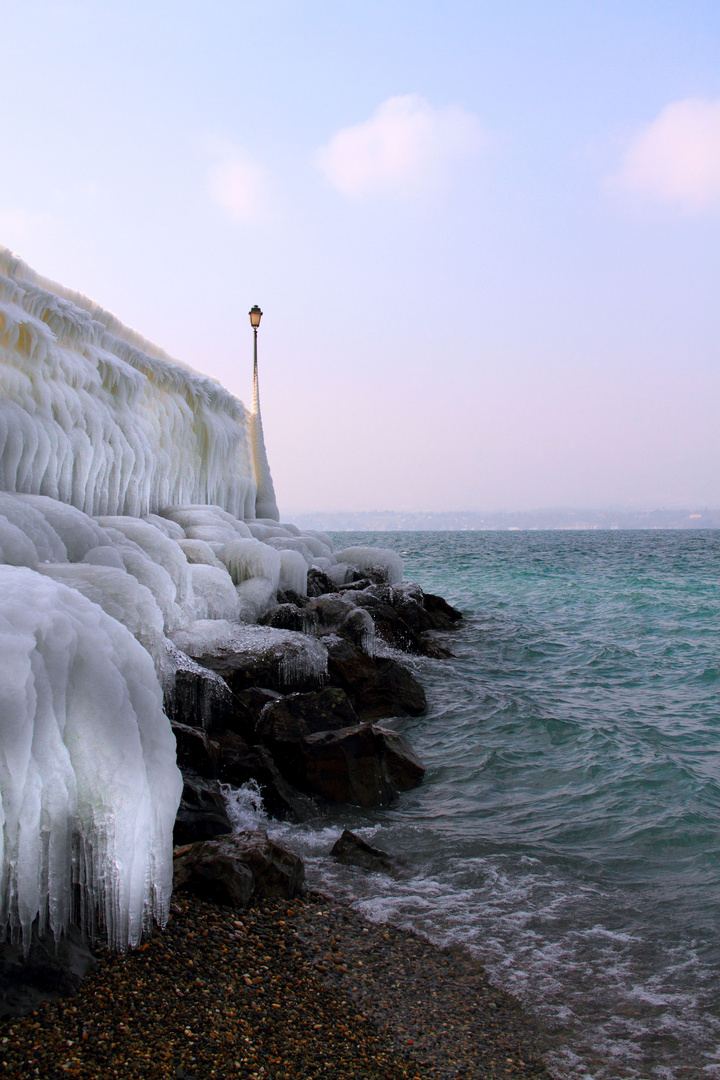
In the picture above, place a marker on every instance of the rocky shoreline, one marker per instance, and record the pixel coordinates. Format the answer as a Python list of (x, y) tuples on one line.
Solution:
[(307, 737), (253, 977)]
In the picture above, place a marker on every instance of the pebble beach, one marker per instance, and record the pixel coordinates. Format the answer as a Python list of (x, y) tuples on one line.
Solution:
[(278, 991)]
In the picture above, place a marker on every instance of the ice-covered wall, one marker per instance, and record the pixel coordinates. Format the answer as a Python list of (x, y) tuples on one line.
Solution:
[(94, 415)]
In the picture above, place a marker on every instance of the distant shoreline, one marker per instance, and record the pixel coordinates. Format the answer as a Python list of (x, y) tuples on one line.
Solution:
[(506, 521)]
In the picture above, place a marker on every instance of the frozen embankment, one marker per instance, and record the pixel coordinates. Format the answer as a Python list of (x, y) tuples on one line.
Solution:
[(134, 570)]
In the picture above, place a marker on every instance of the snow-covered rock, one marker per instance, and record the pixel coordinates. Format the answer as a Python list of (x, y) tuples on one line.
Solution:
[(365, 557)]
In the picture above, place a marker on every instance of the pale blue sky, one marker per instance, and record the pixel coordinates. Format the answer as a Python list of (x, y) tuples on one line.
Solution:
[(486, 237)]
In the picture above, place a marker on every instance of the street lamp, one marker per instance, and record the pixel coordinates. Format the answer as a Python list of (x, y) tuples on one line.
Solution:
[(255, 316)]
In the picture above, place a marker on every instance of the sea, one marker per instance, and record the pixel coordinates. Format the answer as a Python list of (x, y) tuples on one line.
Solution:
[(567, 832)]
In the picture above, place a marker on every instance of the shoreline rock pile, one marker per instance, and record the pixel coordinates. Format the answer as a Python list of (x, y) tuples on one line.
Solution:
[(308, 740), (237, 717)]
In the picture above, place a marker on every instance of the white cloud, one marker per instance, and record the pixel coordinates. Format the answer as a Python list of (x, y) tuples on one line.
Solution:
[(238, 184), (405, 147), (677, 157)]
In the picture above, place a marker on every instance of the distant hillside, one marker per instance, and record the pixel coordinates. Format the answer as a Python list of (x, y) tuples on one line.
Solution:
[(394, 521)]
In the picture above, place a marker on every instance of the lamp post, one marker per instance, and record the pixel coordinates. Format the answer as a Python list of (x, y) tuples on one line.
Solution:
[(255, 316)]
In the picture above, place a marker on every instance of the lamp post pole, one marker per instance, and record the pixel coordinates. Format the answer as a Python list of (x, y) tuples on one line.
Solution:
[(255, 316)]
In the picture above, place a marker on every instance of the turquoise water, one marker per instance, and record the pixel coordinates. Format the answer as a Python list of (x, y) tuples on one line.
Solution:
[(569, 827)]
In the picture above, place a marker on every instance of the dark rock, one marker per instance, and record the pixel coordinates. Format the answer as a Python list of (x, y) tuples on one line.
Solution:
[(433, 648), (291, 617), (352, 850), (404, 767), (283, 725), (233, 868), (339, 614), (389, 623), (240, 763), (402, 620), (320, 747), (50, 971), (363, 765), (318, 583), (345, 766), (378, 687), (291, 718), (277, 666), (253, 701), (377, 575), (354, 586), (215, 871), (195, 751), (289, 596), (199, 697), (202, 814), (444, 616), (279, 874)]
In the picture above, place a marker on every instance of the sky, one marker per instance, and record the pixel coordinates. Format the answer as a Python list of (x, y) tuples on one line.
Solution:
[(485, 237)]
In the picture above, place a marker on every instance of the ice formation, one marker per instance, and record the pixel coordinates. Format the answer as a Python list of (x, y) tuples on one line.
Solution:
[(96, 416), (88, 780), (121, 596), (297, 655), (137, 518), (215, 595), (250, 559), (257, 597), (293, 572), (365, 557)]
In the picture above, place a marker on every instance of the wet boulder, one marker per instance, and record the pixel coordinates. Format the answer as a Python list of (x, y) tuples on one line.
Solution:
[(247, 656), (291, 718), (253, 701), (402, 619), (284, 725), (403, 766), (351, 850), (362, 765), (337, 613), (241, 763), (213, 870), (443, 615), (344, 767), (291, 617), (198, 697), (319, 583), (196, 751), (234, 868), (202, 814), (289, 596), (378, 687)]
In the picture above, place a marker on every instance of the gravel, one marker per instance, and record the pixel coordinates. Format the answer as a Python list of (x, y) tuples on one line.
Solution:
[(282, 991)]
